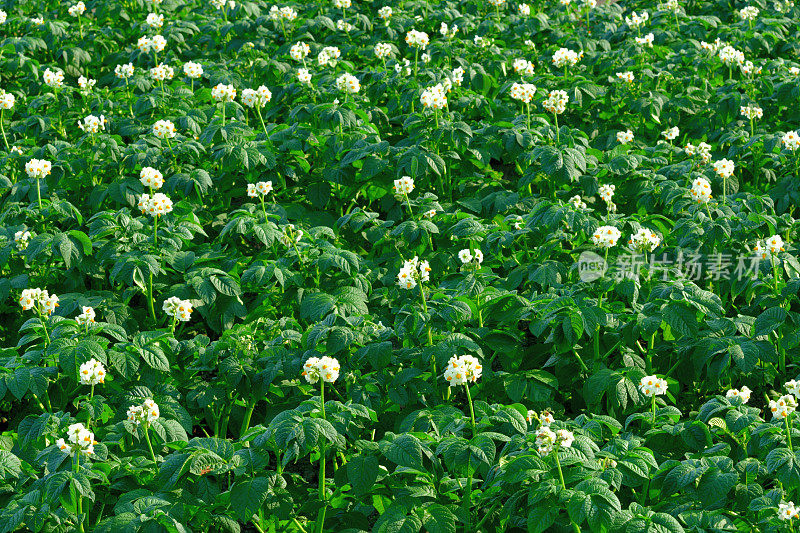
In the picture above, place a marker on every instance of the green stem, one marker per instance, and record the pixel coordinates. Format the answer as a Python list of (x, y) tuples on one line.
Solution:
[(558, 134), (147, 440), (248, 414), (788, 433), (80, 499), (471, 409), (299, 526), (564, 487), (2, 128), (775, 274), (653, 407), (150, 306), (46, 334), (261, 118), (39, 192), (319, 525)]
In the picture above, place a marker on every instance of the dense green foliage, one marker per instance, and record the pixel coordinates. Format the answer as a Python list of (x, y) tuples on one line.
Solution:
[(240, 439)]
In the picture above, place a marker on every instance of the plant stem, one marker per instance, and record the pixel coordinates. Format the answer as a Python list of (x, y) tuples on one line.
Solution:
[(2, 128), (39, 192), (564, 487), (471, 409), (653, 404), (319, 525), (147, 440), (788, 433), (248, 414), (77, 467), (300, 527), (150, 306)]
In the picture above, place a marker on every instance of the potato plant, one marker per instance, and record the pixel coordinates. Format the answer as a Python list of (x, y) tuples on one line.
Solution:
[(399, 266)]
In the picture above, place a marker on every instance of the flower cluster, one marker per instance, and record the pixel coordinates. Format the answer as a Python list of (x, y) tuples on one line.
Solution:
[(7, 100), (151, 178), (403, 186), (434, 97), (154, 20), (328, 56), (86, 84), (162, 72), (299, 51), (644, 240), (79, 440), (751, 111), (21, 239), (702, 149), (178, 309), (743, 394), (565, 57), (413, 271), (324, 368), (577, 202), (524, 92), (145, 413), (92, 123), (193, 70), (790, 140), (731, 56), (417, 39), (383, 50), (556, 101), (87, 315), (724, 168), (646, 41), (626, 76), (462, 370), (788, 511), (385, 13), (92, 372), (77, 10), (671, 134), (749, 13), (262, 188), (625, 137), (38, 168), (223, 93), (636, 20), (164, 129), (156, 205), (53, 78), (606, 236), (303, 75), (523, 66), (782, 407), (256, 98), (470, 257), (124, 71), (40, 300), (283, 13), (701, 191), (155, 44), (548, 440), (653, 386), (348, 83)]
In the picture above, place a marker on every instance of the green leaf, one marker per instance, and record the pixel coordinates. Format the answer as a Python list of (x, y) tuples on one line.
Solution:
[(362, 472), (405, 450), (248, 496), (437, 518)]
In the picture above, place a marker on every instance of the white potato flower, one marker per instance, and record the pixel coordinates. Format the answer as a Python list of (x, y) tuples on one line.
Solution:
[(653, 386), (606, 236), (151, 178), (462, 370), (92, 372), (87, 315)]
